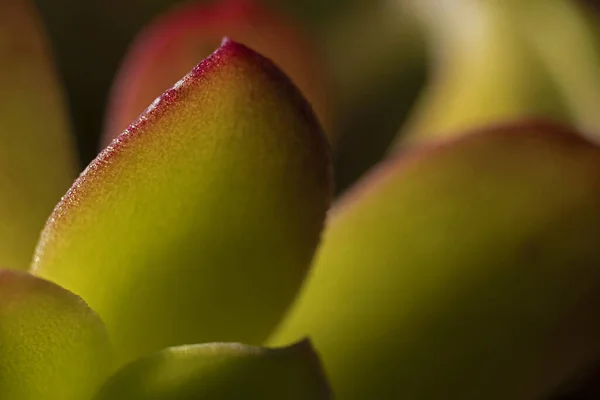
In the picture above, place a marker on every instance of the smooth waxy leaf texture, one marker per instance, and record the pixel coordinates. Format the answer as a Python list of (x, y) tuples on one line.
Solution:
[(222, 371), (175, 43), (36, 164), (199, 223), (469, 269), (52, 346)]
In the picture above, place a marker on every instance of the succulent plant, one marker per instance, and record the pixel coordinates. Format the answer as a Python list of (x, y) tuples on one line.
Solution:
[(203, 255)]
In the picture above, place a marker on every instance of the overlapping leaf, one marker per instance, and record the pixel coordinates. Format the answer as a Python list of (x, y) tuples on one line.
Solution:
[(52, 346), (483, 71), (199, 222), (465, 270), (566, 37), (222, 371)]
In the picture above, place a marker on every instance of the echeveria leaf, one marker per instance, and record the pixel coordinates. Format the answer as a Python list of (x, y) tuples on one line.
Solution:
[(52, 346), (222, 371), (172, 45), (468, 269), (36, 163), (199, 223)]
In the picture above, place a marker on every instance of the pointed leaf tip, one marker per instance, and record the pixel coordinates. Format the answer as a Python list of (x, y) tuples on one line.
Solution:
[(175, 42), (199, 223), (222, 371), (52, 346)]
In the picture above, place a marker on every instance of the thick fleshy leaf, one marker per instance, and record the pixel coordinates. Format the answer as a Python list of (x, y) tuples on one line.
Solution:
[(483, 72), (567, 38), (469, 269), (175, 43), (199, 223), (36, 164), (222, 371), (52, 346)]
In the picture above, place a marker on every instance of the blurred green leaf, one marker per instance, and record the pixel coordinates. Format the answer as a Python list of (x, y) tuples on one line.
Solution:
[(221, 371), (198, 224), (52, 346), (566, 37), (36, 161), (467, 269), (483, 71)]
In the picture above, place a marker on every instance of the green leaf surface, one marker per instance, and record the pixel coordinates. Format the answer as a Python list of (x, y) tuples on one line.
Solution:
[(36, 160), (466, 269), (566, 37), (173, 44), (198, 224), (52, 346), (484, 71), (222, 371)]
